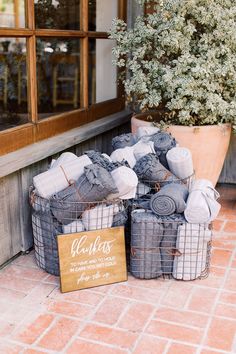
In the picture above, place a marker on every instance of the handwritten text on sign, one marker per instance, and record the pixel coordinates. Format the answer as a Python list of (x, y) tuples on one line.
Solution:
[(92, 258)]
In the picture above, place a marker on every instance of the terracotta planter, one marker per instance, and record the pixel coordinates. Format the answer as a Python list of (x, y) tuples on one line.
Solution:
[(208, 144)]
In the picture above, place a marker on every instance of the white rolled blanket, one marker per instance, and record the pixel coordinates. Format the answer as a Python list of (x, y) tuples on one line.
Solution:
[(144, 131), (142, 148), (126, 182), (75, 226), (126, 153), (52, 163), (107, 157), (63, 158), (56, 179), (191, 244), (202, 206), (180, 162), (100, 217)]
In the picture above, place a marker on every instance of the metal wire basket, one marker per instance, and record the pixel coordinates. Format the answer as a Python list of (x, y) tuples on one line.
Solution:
[(146, 188), (168, 248), (46, 226)]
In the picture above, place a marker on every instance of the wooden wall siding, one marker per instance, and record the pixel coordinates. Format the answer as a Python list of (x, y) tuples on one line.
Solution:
[(15, 213)]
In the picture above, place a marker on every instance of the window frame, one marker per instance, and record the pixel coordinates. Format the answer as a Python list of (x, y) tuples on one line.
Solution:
[(36, 130)]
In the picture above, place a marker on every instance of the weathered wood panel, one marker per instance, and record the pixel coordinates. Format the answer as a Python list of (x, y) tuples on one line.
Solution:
[(15, 213), (5, 239)]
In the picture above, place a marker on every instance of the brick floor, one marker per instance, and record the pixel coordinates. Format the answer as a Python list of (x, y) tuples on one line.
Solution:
[(140, 317)]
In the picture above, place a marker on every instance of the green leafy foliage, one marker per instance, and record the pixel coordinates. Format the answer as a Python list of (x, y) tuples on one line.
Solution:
[(181, 59)]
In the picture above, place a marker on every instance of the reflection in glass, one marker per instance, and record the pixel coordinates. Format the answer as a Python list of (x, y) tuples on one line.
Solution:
[(12, 13), (57, 14), (13, 83), (58, 75), (101, 14), (102, 73)]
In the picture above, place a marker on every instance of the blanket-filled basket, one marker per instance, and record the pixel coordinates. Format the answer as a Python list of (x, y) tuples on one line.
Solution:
[(168, 247), (50, 219)]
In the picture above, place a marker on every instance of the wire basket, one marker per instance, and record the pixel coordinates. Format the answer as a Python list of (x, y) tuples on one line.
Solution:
[(146, 188), (168, 248), (50, 220)]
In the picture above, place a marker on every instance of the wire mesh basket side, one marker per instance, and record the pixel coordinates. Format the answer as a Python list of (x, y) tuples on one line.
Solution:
[(45, 231), (146, 188), (67, 218), (169, 248)]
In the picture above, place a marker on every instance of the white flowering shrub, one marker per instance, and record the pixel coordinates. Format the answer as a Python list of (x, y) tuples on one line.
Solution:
[(181, 60)]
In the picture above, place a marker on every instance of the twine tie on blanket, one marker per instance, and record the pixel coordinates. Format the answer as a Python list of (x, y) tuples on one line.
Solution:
[(69, 181)]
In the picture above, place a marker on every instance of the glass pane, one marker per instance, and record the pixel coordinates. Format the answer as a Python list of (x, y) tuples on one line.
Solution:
[(13, 83), (102, 73), (57, 14), (12, 13), (101, 14), (58, 75)]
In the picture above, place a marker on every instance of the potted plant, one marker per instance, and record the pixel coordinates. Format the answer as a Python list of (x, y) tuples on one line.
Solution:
[(180, 65)]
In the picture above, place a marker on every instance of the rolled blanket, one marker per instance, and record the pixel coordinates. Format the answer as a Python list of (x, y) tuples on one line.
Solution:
[(149, 169), (146, 131), (190, 261), (142, 148), (75, 226), (101, 160), (107, 157), (180, 162), (123, 140), (163, 142), (58, 178), (146, 234), (65, 157), (126, 154), (120, 218), (169, 200), (94, 185), (100, 217), (52, 163), (202, 206), (126, 182), (170, 226)]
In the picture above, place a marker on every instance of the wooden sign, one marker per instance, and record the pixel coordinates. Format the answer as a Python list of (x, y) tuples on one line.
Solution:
[(92, 258)]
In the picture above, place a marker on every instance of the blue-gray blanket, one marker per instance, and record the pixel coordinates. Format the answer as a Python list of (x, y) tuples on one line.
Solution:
[(123, 140), (169, 200), (94, 185), (163, 142), (149, 170)]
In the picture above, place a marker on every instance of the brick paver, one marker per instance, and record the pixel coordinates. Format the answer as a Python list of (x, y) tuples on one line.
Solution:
[(139, 316)]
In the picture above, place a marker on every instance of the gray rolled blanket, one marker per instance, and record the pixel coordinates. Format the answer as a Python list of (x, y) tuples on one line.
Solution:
[(149, 169), (120, 219), (94, 185), (123, 140), (146, 234), (98, 158), (169, 200), (168, 242), (163, 142)]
